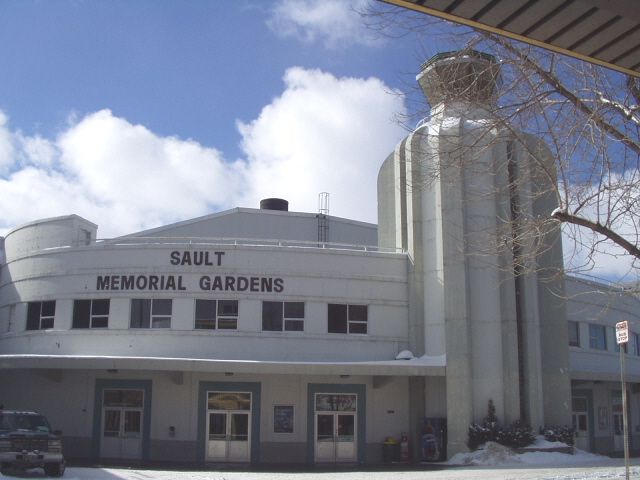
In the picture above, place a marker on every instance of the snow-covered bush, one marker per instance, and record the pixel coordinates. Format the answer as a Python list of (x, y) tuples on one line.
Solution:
[(517, 435), (563, 434)]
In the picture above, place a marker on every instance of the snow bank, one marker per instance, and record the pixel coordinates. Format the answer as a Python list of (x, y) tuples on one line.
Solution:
[(494, 454)]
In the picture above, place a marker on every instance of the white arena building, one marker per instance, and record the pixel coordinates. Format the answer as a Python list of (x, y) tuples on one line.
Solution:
[(272, 336)]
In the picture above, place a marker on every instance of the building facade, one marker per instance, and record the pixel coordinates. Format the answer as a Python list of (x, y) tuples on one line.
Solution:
[(270, 336), (593, 310)]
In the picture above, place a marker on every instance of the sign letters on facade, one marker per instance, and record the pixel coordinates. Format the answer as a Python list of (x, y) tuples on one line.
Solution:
[(223, 283)]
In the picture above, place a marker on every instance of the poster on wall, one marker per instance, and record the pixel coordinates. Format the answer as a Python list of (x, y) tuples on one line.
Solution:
[(283, 419), (603, 417)]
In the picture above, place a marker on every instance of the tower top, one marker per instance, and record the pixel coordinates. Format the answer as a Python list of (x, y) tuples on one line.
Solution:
[(465, 75)]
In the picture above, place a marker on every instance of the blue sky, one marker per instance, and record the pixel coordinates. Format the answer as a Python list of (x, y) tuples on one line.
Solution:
[(139, 113)]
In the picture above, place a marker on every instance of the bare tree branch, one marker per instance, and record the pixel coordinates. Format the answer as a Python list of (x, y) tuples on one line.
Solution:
[(562, 216)]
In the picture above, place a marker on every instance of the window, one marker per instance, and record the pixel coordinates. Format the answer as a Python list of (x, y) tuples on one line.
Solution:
[(40, 315), (279, 316), (597, 337), (151, 313), (85, 236), (212, 314), (574, 334), (91, 313), (635, 338), (347, 318), (12, 318)]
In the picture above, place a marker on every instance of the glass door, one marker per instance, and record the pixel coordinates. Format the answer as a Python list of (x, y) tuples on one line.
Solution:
[(122, 415), (618, 421), (238, 429), (580, 421), (325, 441), (335, 428), (228, 427)]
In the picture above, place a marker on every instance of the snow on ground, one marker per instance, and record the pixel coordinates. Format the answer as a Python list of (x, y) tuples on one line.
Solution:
[(604, 470), (494, 462), (495, 454)]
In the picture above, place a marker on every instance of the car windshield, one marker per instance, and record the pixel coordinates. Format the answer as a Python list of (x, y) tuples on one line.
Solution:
[(30, 423)]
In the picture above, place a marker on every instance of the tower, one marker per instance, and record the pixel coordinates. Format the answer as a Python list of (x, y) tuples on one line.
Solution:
[(458, 194)]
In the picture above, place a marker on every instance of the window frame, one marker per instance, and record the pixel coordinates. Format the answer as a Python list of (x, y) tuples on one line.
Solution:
[(222, 318), (94, 316), (36, 319), (576, 329), (351, 318), (286, 318), (594, 340), (152, 314)]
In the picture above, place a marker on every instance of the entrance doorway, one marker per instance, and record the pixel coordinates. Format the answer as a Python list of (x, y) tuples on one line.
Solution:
[(618, 421), (228, 427), (335, 427), (580, 421), (122, 420)]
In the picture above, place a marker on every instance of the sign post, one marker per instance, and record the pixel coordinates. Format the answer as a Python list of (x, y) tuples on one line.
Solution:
[(622, 338)]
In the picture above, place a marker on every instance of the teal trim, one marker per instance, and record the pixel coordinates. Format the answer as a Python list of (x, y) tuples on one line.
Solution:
[(254, 388), (104, 384), (361, 391), (590, 415)]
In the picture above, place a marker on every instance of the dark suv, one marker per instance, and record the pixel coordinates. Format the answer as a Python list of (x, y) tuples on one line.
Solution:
[(26, 441)]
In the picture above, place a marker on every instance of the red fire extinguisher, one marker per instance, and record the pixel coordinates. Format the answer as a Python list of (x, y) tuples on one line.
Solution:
[(404, 447)]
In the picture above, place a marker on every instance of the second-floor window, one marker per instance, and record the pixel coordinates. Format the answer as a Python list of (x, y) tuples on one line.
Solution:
[(91, 313), (216, 314), (279, 316), (574, 334), (151, 313), (40, 315), (597, 337), (347, 318)]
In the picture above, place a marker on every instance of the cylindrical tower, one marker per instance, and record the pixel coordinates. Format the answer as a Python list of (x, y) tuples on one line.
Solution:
[(460, 188)]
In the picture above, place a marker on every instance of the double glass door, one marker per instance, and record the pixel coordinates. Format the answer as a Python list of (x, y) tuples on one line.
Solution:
[(580, 421), (229, 427), (122, 414), (335, 423)]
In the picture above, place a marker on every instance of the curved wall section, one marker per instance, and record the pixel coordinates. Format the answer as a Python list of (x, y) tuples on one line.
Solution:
[(149, 300), (70, 230)]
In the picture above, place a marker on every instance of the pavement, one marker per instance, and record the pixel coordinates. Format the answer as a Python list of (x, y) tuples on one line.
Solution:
[(609, 469)]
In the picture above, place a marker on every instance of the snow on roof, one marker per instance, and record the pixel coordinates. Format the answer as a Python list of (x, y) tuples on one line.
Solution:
[(425, 365)]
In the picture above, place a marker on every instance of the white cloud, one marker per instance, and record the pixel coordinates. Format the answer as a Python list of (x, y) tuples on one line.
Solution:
[(589, 253), (120, 175), (158, 178), (6, 145), (38, 150), (335, 23), (322, 134)]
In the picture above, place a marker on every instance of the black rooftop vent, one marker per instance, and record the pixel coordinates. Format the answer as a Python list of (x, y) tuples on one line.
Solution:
[(274, 204)]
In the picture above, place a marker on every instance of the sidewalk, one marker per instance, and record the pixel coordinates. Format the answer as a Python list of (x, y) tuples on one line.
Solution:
[(613, 469)]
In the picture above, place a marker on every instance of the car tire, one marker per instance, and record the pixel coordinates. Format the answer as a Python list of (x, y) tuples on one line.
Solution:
[(54, 469)]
